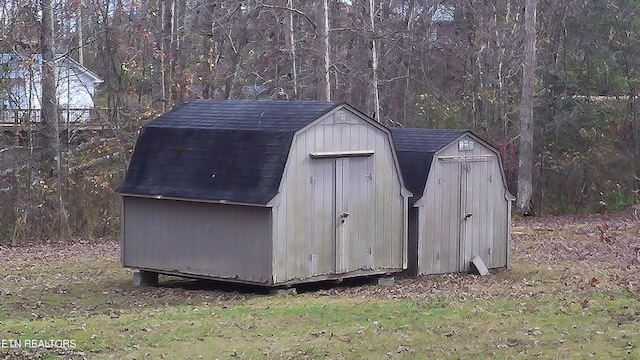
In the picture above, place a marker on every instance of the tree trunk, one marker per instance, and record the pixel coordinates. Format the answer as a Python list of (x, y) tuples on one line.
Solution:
[(80, 35), (323, 87), (49, 113), (525, 171), (292, 50), (374, 63), (177, 83), (49, 109), (165, 56), (162, 51)]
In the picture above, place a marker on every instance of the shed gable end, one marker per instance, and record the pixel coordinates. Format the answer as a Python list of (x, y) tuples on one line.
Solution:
[(415, 149)]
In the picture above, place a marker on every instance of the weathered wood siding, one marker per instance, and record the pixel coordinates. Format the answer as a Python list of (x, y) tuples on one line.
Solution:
[(463, 212), (202, 239), (339, 215)]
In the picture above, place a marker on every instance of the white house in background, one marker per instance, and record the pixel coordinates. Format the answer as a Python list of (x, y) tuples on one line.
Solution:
[(21, 90)]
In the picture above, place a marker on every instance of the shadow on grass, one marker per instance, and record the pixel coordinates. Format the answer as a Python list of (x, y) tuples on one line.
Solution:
[(171, 282)]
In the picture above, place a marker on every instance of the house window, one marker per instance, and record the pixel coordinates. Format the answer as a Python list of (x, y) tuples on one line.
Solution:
[(465, 145)]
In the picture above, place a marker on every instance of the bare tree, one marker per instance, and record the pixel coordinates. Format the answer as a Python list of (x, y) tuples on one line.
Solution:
[(292, 49), (374, 62), (50, 121), (323, 62), (525, 172)]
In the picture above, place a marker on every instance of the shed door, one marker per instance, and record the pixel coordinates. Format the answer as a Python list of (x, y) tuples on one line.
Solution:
[(343, 223), (477, 216), (466, 233), (446, 247)]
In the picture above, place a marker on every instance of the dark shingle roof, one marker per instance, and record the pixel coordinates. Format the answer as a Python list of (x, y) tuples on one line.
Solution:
[(415, 149), (219, 150)]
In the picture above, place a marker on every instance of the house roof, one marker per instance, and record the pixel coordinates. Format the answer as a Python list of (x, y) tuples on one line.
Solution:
[(83, 70), (16, 69), (415, 149), (218, 150)]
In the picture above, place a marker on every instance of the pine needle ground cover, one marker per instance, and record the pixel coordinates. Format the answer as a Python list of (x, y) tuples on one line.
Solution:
[(572, 292)]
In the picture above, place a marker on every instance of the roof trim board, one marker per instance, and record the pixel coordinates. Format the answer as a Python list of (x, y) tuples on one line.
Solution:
[(474, 158), (340, 154), (162, 197)]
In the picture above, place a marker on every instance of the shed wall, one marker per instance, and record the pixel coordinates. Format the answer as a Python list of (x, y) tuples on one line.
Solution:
[(202, 239), (311, 238), (463, 212)]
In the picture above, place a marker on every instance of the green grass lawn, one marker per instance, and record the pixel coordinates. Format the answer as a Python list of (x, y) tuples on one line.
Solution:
[(571, 293)]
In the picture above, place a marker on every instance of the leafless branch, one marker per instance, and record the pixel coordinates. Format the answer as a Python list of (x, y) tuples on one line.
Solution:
[(94, 162), (294, 10), (7, 172)]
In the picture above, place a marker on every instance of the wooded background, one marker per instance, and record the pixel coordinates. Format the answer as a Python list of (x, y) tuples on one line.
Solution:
[(414, 63)]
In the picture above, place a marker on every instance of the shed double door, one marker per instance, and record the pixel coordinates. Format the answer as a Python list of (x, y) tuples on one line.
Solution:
[(465, 212), (342, 201)]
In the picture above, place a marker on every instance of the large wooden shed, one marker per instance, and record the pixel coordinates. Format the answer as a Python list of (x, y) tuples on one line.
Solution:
[(461, 206), (264, 192)]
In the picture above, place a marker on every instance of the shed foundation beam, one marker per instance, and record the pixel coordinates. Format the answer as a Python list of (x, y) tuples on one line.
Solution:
[(145, 278)]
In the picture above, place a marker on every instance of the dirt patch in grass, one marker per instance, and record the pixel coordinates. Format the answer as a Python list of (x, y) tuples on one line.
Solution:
[(571, 291)]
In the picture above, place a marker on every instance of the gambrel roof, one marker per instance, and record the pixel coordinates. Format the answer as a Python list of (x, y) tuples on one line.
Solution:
[(415, 149), (219, 150)]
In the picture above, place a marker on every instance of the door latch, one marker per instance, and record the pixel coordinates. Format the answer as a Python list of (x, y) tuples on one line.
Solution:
[(468, 216), (343, 216)]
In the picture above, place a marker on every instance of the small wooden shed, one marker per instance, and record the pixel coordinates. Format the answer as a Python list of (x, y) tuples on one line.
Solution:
[(461, 206), (264, 192)]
